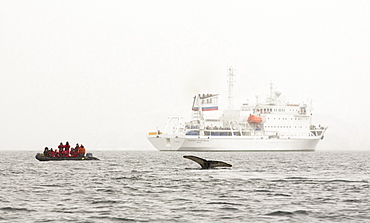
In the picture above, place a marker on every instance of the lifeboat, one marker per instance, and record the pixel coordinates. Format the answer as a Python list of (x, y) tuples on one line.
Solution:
[(254, 119)]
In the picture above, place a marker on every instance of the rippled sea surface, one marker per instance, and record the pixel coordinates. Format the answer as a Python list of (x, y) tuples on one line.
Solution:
[(151, 186)]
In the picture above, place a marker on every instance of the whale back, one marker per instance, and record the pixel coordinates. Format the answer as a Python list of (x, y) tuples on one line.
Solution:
[(213, 164)]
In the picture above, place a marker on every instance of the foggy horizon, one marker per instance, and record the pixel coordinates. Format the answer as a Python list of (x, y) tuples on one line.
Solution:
[(104, 74)]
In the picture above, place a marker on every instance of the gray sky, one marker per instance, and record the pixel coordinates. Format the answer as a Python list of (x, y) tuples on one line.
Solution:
[(104, 73)]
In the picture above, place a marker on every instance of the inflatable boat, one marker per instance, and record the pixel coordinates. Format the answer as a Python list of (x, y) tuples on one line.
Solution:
[(41, 157)]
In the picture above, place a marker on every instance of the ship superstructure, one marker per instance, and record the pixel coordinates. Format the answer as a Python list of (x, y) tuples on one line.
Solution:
[(271, 125)]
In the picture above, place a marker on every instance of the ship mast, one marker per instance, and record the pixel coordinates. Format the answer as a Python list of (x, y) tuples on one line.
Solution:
[(271, 99), (230, 75)]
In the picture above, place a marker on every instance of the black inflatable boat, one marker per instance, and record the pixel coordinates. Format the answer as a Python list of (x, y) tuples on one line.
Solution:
[(41, 157)]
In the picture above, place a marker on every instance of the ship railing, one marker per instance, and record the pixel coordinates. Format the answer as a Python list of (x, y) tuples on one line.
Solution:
[(317, 131), (218, 132), (274, 134)]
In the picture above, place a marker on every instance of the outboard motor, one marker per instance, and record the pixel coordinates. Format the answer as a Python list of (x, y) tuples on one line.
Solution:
[(89, 155)]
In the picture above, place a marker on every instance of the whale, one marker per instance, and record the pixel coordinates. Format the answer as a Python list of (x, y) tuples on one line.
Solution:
[(207, 164)]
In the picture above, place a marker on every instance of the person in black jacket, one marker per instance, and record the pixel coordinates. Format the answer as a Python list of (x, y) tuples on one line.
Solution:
[(46, 151)]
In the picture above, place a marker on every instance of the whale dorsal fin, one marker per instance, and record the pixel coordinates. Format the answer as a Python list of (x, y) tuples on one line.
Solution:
[(206, 164)]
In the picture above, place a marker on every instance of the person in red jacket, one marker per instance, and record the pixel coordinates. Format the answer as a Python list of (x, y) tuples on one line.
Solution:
[(61, 146), (73, 152), (51, 152), (66, 149), (59, 153), (64, 153)]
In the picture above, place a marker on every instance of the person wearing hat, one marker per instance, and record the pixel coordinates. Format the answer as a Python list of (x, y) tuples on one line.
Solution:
[(46, 151)]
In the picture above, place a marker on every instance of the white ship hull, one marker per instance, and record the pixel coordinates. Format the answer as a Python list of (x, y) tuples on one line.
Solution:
[(241, 143)]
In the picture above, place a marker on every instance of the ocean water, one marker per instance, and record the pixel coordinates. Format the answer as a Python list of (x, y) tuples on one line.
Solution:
[(151, 186)]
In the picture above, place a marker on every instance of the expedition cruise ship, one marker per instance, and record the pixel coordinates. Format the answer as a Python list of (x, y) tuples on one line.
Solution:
[(272, 125)]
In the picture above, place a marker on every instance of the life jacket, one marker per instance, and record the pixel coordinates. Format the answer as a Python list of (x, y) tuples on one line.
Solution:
[(81, 151), (60, 146), (74, 152)]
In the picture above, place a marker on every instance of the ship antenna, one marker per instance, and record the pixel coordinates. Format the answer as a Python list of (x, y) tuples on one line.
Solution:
[(231, 86), (271, 90)]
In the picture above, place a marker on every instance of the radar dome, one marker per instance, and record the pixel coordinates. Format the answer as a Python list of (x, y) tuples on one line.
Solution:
[(278, 92)]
